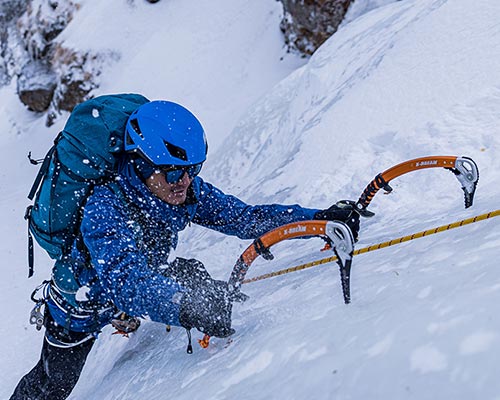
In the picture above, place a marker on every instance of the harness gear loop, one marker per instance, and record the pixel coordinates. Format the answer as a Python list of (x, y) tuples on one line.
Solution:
[(37, 317)]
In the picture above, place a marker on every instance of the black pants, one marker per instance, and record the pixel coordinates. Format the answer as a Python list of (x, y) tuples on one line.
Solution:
[(58, 369)]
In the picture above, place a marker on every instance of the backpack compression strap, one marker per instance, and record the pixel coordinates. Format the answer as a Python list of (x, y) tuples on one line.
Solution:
[(27, 216)]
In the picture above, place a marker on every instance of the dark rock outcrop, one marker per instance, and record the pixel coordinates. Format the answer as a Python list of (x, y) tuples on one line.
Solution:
[(50, 77), (36, 85), (10, 11), (308, 23)]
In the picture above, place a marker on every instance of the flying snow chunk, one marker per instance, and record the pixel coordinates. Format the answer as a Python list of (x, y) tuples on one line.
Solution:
[(95, 113), (82, 293)]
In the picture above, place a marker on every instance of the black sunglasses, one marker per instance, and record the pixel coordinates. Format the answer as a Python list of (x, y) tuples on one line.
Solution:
[(174, 174)]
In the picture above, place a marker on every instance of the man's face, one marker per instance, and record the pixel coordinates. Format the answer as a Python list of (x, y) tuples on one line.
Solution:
[(171, 193)]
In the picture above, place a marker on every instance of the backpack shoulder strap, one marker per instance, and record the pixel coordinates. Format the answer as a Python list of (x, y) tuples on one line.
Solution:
[(42, 172), (43, 169)]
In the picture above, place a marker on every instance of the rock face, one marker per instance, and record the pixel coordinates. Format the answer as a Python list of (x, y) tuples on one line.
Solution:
[(50, 77), (42, 22), (308, 23), (78, 74), (10, 11), (35, 85), (46, 80)]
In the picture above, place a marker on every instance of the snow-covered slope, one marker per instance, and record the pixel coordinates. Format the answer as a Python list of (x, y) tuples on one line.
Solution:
[(215, 56), (409, 79)]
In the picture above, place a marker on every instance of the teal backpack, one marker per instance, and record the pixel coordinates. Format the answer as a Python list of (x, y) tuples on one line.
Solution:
[(84, 154)]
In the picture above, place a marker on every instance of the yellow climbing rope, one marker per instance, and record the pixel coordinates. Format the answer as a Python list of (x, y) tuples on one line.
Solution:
[(378, 246)]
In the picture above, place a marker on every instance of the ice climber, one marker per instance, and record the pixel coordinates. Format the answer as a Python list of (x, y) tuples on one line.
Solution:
[(118, 269)]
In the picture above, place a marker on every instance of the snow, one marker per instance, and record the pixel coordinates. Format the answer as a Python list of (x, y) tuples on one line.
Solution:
[(407, 79), (216, 57)]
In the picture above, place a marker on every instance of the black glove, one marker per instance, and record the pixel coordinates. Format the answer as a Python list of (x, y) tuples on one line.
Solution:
[(343, 211), (207, 307), (189, 273)]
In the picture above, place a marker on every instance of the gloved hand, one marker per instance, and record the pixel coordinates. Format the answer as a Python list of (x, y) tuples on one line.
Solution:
[(343, 211), (207, 307), (189, 273)]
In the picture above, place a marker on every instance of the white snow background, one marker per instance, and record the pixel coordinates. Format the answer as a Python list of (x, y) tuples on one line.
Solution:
[(407, 79)]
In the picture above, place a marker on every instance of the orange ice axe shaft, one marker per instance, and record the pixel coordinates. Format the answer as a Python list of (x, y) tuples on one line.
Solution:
[(464, 168)]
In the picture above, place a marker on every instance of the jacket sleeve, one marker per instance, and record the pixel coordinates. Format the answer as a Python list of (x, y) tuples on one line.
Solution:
[(121, 267), (228, 214)]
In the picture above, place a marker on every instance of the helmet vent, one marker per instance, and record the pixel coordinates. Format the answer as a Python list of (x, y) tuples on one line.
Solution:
[(176, 151), (135, 126)]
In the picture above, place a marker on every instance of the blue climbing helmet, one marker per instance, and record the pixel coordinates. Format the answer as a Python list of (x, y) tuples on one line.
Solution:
[(166, 134)]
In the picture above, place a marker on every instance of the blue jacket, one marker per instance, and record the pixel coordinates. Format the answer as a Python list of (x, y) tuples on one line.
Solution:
[(129, 234)]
